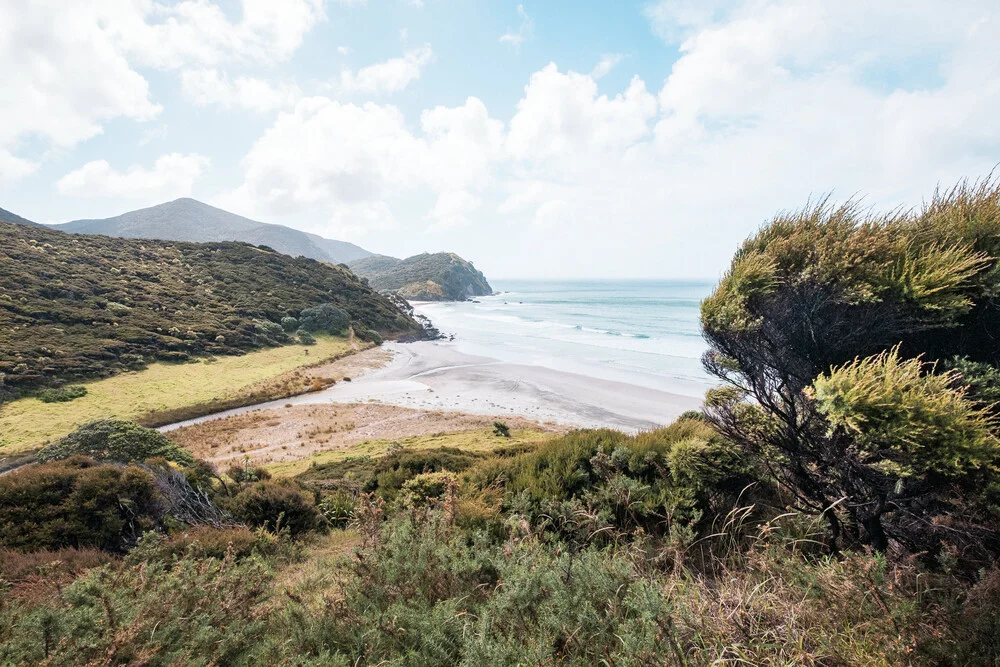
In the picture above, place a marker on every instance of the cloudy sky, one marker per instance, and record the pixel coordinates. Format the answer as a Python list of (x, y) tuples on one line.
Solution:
[(564, 138)]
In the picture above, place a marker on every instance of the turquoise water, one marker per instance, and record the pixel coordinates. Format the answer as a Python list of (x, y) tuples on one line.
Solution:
[(641, 332)]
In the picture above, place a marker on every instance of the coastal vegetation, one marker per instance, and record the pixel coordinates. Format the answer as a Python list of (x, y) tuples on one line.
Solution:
[(836, 501), (168, 392), (77, 307), (442, 276)]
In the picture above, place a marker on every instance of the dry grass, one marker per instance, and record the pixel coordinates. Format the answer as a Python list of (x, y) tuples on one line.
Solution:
[(289, 439), (29, 423)]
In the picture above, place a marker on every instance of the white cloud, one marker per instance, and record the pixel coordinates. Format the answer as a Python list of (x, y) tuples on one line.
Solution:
[(605, 65), (62, 76), (172, 176), (345, 50), (328, 161), (561, 114), (69, 67), (13, 169), (419, 4), (199, 32), (523, 33), (390, 76), (209, 86)]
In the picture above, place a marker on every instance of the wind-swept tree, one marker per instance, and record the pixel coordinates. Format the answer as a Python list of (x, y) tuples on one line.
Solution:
[(800, 329)]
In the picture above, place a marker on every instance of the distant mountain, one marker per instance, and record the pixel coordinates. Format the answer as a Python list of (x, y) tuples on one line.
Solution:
[(191, 220), (442, 276), (7, 216)]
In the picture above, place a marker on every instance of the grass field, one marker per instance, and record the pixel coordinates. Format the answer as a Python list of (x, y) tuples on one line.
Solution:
[(478, 440), (29, 423)]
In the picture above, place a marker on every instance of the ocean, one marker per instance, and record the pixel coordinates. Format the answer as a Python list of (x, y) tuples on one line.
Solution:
[(644, 333)]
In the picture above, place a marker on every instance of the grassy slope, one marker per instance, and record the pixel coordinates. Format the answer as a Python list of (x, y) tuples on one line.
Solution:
[(479, 440), (29, 423), (72, 306)]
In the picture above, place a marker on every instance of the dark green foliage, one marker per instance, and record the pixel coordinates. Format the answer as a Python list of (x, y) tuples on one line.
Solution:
[(427, 277), (305, 338), (62, 394), (501, 430), (809, 309), (982, 380), (76, 503), (289, 324), (337, 508), (276, 504), (192, 611), (325, 317), (247, 474), (116, 440), (387, 475), (681, 475), (76, 306), (367, 334)]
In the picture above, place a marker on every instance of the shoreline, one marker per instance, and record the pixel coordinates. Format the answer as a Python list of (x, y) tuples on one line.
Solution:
[(437, 376)]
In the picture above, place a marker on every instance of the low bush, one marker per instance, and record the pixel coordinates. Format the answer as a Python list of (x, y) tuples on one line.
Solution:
[(77, 503), (276, 505), (325, 317), (116, 440), (62, 394), (200, 542)]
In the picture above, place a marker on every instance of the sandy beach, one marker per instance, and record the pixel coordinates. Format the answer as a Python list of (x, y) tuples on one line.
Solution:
[(438, 376)]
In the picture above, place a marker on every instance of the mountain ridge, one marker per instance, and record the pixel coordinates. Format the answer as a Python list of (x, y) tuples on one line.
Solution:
[(187, 219)]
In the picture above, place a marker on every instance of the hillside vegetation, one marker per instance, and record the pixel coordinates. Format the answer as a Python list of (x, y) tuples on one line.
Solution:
[(440, 276), (837, 501), (76, 306)]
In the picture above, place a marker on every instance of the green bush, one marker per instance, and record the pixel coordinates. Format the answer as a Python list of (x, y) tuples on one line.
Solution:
[(62, 394), (116, 440), (289, 324), (325, 317), (305, 338), (76, 503), (277, 505)]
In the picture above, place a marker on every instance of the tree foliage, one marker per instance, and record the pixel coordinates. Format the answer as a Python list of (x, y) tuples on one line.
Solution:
[(816, 330), (116, 440)]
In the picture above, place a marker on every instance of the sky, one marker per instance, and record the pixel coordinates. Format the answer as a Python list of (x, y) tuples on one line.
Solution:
[(555, 139)]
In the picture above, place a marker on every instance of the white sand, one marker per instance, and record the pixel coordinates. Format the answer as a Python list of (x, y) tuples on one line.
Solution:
[(435, 375)]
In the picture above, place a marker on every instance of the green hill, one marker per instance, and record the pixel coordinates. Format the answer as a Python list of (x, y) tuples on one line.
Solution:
[(442, 276), (7, 216), (76, 306)]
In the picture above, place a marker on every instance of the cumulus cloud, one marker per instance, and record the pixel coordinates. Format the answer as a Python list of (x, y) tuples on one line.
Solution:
[(327, 159), (69, 67), (62, 79), (390, 76), (172, 176), (210, 87)]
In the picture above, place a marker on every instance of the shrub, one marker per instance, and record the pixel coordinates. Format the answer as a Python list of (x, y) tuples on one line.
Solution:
[(305, 338), (337, 509), (197, 541), (817, 289), (245, 473), (428, 486), (277, 504), (289, 324), (76, 503), (116, 440), (324, 317), (62, 394), (500, 429)]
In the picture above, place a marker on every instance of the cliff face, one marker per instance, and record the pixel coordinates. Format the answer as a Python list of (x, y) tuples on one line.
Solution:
[(442, 276)]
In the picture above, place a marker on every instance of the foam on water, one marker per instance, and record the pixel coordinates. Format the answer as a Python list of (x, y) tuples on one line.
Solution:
[(641, 332)]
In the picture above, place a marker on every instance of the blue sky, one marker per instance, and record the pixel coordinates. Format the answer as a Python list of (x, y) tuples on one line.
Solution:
[(546, 139)]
